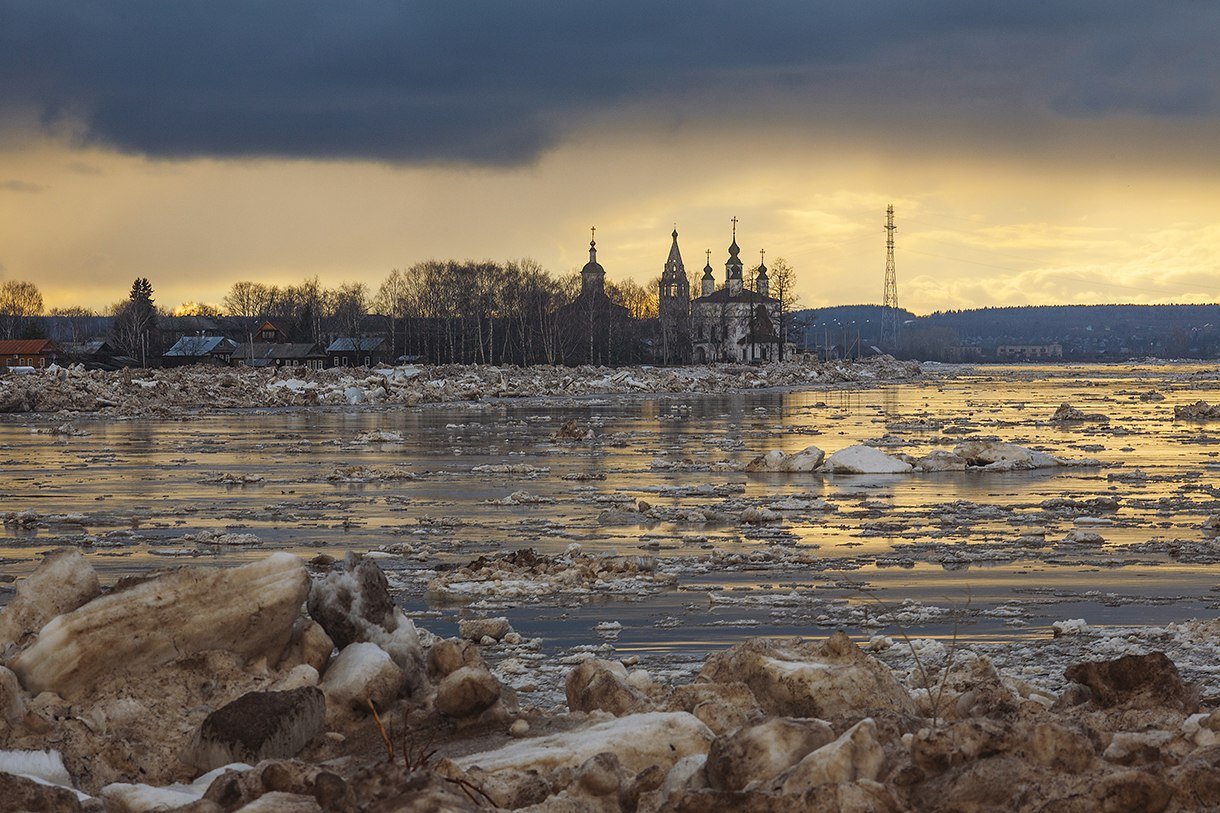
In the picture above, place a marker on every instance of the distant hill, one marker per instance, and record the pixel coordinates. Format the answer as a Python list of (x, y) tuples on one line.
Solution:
[(833, 326), (1099, 332)]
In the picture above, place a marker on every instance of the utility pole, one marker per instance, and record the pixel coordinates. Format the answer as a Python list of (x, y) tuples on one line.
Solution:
[(889, 301)]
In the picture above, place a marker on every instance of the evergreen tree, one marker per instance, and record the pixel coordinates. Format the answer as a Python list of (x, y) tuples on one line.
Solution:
[(135, 321)]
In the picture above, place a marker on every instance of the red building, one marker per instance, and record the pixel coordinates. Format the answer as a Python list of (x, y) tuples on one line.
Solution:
[(38, 353)]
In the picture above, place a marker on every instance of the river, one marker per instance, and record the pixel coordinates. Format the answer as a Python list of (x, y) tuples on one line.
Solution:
[(976, 555)]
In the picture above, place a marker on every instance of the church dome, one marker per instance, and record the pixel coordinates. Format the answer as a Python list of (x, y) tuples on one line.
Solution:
[(593, 266)]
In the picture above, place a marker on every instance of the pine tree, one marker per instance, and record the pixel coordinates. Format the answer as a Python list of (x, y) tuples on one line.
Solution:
[(136, 321)]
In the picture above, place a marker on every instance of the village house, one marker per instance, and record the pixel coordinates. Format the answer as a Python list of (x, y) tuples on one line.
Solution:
[(216, 350), (271, 348), (353, 352), (38, 353), (95, 354)]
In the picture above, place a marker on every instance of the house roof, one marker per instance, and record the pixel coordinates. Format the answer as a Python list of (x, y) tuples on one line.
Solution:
[(349, 345), (195, 346), (271, 351), (88, 348), (723, 295), (13, 347), (268, 324)]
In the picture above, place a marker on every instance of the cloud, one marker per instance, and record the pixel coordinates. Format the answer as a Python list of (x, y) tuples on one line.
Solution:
[(1166, 265), (498, 83), (14, 185)]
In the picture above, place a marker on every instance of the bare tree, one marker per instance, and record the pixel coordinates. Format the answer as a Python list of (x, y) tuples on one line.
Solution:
[(71, 321), (783, 288), (392, 303), (19, 302), (305, 306), (135, 322), (349, 304), (640, 302), (249, 303)]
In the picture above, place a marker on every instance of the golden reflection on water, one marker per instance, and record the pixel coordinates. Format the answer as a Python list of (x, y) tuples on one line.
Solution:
[(130, 491)]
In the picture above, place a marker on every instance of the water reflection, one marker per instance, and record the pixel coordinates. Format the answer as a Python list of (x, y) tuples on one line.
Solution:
[(134, 492)]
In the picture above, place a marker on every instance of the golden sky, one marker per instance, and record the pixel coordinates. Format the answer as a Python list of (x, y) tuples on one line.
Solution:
[(1028, 162)]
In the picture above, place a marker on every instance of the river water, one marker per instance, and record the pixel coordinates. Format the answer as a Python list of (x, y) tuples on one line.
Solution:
[(980, 556)]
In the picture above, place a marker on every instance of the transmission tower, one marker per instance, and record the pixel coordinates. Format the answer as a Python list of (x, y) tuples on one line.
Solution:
[(889, 302)]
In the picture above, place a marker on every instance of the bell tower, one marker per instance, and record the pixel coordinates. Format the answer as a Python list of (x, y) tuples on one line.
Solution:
[(674, 307)]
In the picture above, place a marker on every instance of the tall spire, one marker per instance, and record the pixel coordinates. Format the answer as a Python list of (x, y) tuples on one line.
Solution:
[(675, 256), (673, 277)]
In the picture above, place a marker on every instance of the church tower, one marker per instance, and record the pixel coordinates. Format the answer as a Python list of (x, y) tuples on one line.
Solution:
[(592, 276), (674, 284), (674, 307), (709, 278), (733, 267), (762, 283)]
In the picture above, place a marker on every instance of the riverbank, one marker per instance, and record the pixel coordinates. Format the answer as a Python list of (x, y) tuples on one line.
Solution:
[(172, 391), (279, 685)]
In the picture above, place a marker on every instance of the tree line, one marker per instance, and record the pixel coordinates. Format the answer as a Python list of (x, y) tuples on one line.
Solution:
[(448, 311)]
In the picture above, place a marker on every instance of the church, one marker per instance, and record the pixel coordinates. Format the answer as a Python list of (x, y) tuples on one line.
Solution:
[(592, 328), (731, 323)]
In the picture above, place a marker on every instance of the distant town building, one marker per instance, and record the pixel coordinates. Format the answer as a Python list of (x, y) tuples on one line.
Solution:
[(355, 352), (735, 322), (39, 353), (1030, 351), (592, 328), (216, 350)]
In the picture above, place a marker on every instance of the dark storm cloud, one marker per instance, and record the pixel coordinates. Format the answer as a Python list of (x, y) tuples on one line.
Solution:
[(497, 82)]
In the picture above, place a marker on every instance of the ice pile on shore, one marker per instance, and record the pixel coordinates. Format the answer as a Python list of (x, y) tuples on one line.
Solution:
[(174, 390), (213, 690)]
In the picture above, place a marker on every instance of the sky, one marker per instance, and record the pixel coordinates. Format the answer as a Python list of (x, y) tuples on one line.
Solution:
[(1035, 152)]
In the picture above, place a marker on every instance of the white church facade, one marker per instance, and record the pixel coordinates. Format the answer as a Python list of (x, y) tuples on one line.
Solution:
[(735, 322)]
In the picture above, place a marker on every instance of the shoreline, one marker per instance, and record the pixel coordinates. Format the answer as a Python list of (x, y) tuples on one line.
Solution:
[(197, 390), (313, 703)]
